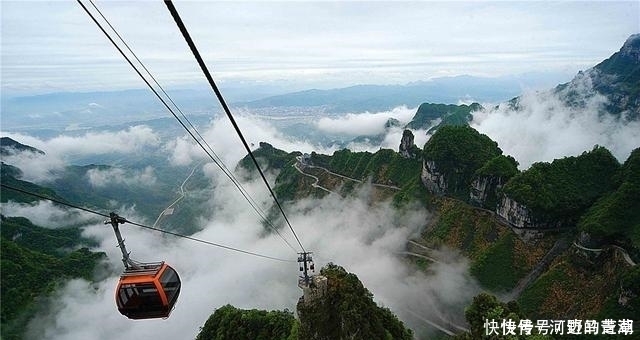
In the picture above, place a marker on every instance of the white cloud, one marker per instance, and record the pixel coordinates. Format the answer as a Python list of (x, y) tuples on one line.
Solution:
[(39, 168), (363, 237), (364, 124), (132, 139), (101, 178), (224, 141), (46, 214), (545, 128)]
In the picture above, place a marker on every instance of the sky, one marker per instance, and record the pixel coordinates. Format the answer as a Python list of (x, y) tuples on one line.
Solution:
[(52, 46)]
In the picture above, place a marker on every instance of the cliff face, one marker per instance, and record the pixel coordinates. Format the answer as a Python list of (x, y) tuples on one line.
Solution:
[(408, 148), (514, 212), (432, 179), (521, 217), (484, 191)]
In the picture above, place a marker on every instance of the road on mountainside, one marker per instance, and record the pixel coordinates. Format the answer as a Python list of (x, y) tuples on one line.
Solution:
[(169, 209), (419, 255), (316, 179), (618, 249), (558, 248), (299, 163)]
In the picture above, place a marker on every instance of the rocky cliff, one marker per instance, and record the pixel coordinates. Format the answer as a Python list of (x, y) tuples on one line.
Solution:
[(484, 189), (347, 311), (489, 180), (515, 213), (434, 180), (408, 148), (452, 157)]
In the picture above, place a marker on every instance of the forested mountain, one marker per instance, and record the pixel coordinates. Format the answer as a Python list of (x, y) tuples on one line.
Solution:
[(228, 322), (428, 114), (617, 78), (576, 193), (9, 146), (35, 261)]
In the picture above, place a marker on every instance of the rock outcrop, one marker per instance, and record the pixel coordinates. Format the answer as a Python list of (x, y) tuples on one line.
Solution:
[(484, 191), (408, 148), (432, 179), (519, 216), (515, 213)]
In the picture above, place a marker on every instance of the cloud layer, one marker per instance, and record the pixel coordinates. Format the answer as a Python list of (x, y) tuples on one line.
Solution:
[(364, 238), (545, 128), (60, 149), (362, 124)]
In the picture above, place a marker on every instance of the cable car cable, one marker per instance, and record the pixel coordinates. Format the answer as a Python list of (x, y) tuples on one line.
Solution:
[(215, 159), (144, 226), (205, 70)]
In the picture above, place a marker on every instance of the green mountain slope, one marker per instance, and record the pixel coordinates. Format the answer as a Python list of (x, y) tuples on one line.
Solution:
[(562, 190), (456, 115), (9, 146), (35, 261), (228, 323), (347, 311), (458, 152), (616, 216)]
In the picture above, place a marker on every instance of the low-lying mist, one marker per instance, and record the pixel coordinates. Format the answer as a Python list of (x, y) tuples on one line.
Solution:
[(545, 127), (366, 238)]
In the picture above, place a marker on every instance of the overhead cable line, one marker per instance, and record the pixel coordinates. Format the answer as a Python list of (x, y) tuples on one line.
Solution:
[(214, 157), (145, 226), (214, 87)]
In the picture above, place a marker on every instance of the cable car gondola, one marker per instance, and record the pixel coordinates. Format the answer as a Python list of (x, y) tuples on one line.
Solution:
[(148, 291), (145, 290)]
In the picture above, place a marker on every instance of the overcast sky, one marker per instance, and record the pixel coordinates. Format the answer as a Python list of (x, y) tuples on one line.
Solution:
[(53, 45)]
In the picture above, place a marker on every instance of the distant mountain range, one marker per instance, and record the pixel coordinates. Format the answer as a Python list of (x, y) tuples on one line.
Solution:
[(78, 110), (448, 90)]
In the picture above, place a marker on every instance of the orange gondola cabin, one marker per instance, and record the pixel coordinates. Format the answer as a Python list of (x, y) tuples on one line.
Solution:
[(145, 290), (149, 290)]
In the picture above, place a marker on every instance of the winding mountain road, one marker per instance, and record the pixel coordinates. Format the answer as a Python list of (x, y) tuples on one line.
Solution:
[(316, 179), (169, 209), (299, 163), (620, 250)]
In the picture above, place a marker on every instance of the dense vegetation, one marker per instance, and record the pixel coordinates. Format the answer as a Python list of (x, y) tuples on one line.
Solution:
[(616, 216), (450, 114), (559, 192), (230, 323), (384, 167), (35, 261), (10, 176), (488, 307), (347, 311), (269, 158), (498, 258), (585, 286), (458, 152), (499, 166), (496, 172)]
